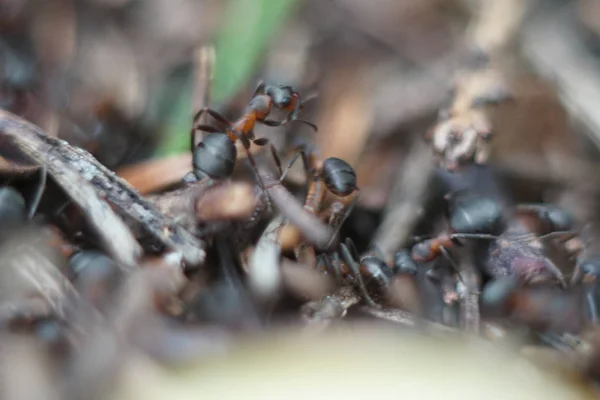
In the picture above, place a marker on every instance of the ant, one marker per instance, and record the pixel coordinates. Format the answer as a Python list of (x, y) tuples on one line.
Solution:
[(470, 216), (332, 176), (512, 247), (370, 274), (257, 111)]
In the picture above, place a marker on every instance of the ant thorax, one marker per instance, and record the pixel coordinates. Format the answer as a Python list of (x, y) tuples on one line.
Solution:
[(259, 107)]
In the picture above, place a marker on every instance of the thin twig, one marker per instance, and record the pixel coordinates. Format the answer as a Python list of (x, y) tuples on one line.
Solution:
[(408, 320), (264, 271), (204, 62), (313, 229), (406, 203), (551, 44), (469, 295)]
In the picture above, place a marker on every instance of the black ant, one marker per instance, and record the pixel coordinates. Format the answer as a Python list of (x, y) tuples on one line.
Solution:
[(370, 274), (470, 217), (512, 246), (214, 157), (257, 111)]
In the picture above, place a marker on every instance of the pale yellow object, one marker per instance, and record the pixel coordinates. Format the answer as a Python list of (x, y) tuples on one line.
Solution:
[(352, 365)]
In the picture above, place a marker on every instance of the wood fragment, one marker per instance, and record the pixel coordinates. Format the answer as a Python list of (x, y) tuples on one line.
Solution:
[(151, 176), (264, 270), (114, 234), (469, 295), (86, 181), (204, 65), (554, 49), (405, 206), (408, 320), (313, 229)]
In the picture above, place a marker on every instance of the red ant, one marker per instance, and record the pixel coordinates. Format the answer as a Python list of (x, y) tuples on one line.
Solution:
[(258, 109), (331, 194)]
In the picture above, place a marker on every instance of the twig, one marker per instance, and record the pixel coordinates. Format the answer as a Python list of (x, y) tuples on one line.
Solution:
[(332, 307), (408, 320), (551, 44), (114, 234), (204, 62), (75, 169), (406, 203), (264, 271), (151, 176), (313, 229), (497, 24), (469, 295)]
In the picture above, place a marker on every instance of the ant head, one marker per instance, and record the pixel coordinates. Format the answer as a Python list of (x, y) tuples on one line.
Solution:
[(339, 176), (284, 97), (422, 251), (404, 264), (214, 157), (561, 220)]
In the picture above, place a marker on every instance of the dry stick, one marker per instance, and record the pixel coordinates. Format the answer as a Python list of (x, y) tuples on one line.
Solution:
[(555, 51), (332, 307), (313, 229), (204, 61), (114, 234), (469, 297), (408, 320), (264, 271), (84, 178), (406, 203)]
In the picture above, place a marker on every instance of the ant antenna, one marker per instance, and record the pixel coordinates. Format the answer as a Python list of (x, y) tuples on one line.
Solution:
[(455, 267), (39, 192), (355, 268)]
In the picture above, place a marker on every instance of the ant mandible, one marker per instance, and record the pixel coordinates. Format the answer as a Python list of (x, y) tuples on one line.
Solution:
[(265, 97)]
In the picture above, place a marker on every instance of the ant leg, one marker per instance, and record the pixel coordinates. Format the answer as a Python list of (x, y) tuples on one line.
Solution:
[(260, 88), (269, 122), (590, 300), (455, 267), (338, 218), (261, 183), (290, 163), (335, 266), (207, 128), (355, 270), (213, 114), (275, 156), (350, 245), (261, 141), (39, 192), (197, 117)]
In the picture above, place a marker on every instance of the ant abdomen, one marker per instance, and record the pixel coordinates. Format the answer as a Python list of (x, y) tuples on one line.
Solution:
[(339, 176), (473, 214), (214, 157)]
